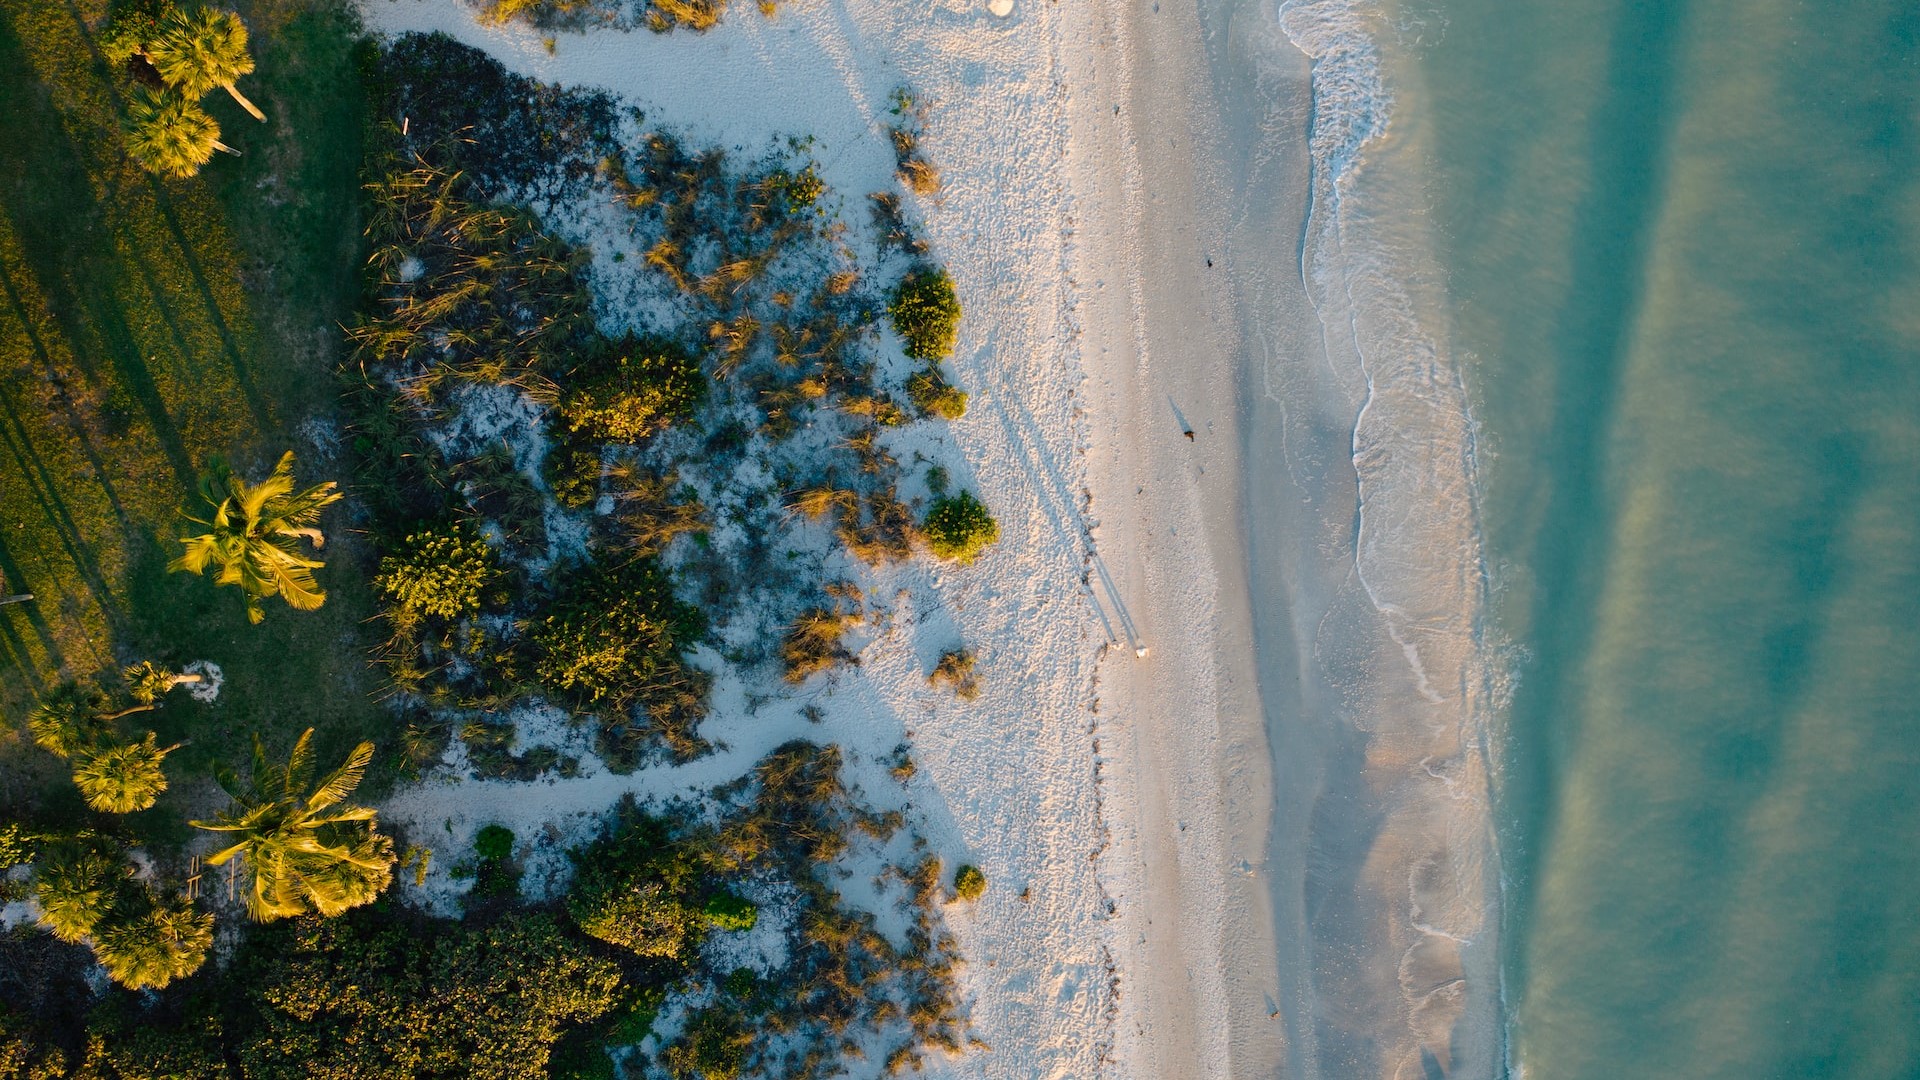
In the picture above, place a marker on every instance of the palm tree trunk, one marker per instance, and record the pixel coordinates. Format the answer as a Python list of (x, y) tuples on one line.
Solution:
[(19, 599), (224, 148), (253, 110), (183, 678), (129, 712)]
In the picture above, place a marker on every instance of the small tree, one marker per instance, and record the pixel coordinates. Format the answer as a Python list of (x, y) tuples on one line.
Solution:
[(958, 526), (171, 135), (158, 942), (926, 313), (121, 778), (200, 49), (257, 529)]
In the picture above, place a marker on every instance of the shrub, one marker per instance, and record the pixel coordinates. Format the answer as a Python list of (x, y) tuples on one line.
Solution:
[(958, 526), (572, 470), (800, 190), (615, 637), (713, 1047), (634, 888), (696, 15), (500, 492), (955, 670), (493, 843), (812, 644), (643, 919), (934, 396), (926, 313), (969, 882), (727, 911), (442, 572), (377, 996), (633, 389)]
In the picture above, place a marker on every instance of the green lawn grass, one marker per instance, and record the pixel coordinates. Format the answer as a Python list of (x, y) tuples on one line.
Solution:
[(144, 326)]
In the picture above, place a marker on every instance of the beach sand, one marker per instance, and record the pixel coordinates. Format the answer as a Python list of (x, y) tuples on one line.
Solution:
[(1167, 776)]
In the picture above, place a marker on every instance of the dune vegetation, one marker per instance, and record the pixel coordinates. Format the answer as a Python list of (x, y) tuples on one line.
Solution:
[(336, 553)]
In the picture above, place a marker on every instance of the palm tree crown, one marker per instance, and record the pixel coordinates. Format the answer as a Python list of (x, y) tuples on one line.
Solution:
[(303, 851), (77, 884), (167, 941), (123, 777), (170, 135), (201, 49), (70, 719), (257, 529)]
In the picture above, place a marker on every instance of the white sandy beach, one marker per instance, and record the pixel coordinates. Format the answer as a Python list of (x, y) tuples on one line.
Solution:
[(1166, 786)]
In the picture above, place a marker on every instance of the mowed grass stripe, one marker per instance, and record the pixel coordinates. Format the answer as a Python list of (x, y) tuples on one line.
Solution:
[(146, 325)]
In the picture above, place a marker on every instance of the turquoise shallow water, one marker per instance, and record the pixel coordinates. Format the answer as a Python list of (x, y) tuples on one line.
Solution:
[(1683, 251)]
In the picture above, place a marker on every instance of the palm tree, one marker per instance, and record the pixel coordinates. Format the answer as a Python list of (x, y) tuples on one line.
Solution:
[(257, 529), (77, 884), (200, 49), (73, 719), (148, 682), (170, 135), (303, 852), (123, 777), (166, 941)]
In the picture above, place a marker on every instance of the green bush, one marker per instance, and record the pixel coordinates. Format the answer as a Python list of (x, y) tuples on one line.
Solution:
[(494, 843), (969, 883), (926, 313), (441, 572), (572, 470), (379, 997), (741, 982), (645, 919), (713, 1047), (934, 396), (632, 390), (636, 887), (958, 526), (615, 637), (733, 913)]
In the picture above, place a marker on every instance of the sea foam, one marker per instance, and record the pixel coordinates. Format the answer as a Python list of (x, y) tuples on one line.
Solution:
[(1372, 272)]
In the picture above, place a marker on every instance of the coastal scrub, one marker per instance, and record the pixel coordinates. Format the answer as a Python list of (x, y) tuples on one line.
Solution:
[(959, 526)]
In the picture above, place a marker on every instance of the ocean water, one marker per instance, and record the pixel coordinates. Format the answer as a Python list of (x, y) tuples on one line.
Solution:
[(1680, 250), (1631, 292)]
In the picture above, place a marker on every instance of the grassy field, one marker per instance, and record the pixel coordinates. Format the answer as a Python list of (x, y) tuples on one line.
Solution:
[(144, 326)]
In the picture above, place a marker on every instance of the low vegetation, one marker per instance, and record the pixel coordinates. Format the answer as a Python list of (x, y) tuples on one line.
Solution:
[(926, 313), (969, 883), (955, 671), (660, 16), (958, 527), (915, 168)]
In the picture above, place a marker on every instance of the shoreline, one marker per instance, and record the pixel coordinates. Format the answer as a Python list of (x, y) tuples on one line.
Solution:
[(1205, 884), (1333, 910)]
